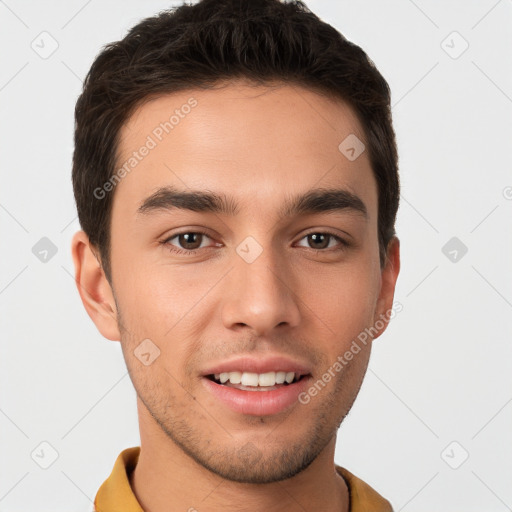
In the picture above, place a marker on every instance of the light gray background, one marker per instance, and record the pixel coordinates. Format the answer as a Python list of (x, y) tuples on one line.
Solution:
[(441, 372)]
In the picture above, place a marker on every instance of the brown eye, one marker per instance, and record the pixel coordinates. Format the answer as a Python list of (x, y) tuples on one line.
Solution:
[(320, 240), (187, 242), (190, 240)]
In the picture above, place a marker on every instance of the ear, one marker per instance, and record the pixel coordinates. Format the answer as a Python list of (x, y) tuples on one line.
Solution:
[(389, 275), (93, 287)]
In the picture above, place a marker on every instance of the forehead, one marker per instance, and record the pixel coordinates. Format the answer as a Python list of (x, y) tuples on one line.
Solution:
[(257, 143)]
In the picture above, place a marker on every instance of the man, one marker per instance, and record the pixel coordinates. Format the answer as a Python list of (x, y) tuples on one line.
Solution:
[(235, 173)]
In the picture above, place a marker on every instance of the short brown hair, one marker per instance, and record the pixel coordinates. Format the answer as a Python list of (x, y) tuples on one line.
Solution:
[(200, 45)]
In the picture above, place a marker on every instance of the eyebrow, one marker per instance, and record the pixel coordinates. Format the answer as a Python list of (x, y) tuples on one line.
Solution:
[(313, 201)]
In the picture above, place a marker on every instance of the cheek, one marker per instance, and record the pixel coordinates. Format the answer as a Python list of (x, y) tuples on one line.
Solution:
[(157, 298), (344, 300), (165, 305)]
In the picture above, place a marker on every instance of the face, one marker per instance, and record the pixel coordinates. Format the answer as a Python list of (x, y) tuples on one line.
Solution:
[(248, 282)]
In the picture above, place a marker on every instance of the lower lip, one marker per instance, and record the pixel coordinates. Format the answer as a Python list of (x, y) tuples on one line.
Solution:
[(257, 403)]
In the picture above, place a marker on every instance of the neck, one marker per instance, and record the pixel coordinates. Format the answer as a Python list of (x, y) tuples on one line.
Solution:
[(167, 479)]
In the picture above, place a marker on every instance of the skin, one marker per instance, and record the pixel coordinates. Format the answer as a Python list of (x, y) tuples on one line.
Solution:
[(260, 145)]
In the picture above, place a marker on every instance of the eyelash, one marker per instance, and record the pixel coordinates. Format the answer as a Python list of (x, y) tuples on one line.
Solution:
[(191, 252)]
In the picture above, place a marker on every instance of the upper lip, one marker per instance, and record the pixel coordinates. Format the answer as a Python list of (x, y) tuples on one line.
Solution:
[(259, 365)]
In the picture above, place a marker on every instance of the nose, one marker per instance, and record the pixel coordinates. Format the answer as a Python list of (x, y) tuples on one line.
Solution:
[(260, 295)]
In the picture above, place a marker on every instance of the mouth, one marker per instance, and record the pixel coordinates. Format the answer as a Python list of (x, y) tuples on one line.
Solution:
[(256, 394)]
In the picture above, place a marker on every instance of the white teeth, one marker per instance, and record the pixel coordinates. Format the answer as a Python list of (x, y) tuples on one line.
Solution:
[(289, 377), (267, 379), (249, 379), (235, 377), (280, 377)]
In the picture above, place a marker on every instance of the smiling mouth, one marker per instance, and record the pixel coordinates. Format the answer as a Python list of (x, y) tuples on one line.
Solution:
[(249, 381)]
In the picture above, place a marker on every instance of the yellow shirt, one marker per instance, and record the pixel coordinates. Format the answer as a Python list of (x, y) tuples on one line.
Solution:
[(116, 495)]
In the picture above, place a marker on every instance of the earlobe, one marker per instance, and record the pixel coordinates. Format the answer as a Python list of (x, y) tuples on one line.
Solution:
[(93, 287), (389, 276)]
